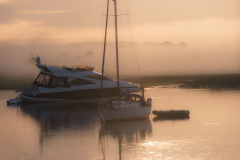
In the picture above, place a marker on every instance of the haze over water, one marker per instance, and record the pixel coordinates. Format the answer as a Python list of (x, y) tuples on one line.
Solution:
[(64, 131)]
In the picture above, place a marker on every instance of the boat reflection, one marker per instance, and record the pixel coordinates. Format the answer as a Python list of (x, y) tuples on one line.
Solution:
[(55, 115), (172, 118), (62, 120), (123, 133), (13, 105)]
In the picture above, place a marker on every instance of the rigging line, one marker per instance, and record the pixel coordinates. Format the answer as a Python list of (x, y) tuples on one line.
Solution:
[(132, 71), (131, 49), (126, 68), (109, 66), (111, 76), (125, 59), (112, 46), (132, 40), (103, 6)]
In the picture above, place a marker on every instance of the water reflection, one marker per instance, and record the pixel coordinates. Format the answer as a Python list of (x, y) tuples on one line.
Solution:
[(61, 115), (13, 105), (123, 134), (61, 120), (170, 118), (74, 131)]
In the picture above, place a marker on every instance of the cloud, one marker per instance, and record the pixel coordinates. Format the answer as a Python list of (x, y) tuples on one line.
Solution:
[(52, 13)]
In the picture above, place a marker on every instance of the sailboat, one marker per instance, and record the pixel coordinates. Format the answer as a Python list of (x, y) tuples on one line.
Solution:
[(125, 106)]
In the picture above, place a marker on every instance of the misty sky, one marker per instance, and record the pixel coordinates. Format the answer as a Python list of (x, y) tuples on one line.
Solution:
[(198, 22), (211, 28)]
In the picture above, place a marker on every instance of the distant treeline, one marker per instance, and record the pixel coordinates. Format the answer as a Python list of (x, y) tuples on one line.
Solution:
[(223, 81), (227, 81)]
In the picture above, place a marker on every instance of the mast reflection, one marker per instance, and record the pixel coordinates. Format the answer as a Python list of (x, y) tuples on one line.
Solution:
[(125, 132)]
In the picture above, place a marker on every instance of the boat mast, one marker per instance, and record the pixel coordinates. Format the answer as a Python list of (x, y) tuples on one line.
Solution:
[(104, 48), (116, 36)]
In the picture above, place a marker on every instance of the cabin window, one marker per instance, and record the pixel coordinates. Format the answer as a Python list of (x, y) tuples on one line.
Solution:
[(47, 79), (54, 81), (39, 79), (58, 81), (99, 77), (79, 81), (51, 81), (43, 79)]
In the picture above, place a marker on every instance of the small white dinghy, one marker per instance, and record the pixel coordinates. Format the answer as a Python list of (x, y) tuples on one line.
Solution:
[(171, 113), (14, 101)]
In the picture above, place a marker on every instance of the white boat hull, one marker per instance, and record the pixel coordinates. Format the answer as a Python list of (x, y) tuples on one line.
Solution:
[(111, 114), (53, 100)]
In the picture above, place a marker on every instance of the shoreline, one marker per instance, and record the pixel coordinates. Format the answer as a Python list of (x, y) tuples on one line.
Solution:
[(215, 82)]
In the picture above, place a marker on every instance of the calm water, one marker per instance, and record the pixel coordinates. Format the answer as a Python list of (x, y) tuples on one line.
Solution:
[(64, 131)]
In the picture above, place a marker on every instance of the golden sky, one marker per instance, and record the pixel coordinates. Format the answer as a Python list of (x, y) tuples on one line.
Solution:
[(211, 28), (196, 22)]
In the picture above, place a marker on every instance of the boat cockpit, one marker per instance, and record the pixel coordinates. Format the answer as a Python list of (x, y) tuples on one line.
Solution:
[(131, 97)]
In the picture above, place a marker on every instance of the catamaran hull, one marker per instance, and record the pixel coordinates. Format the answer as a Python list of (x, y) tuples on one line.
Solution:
[(111, 114)]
